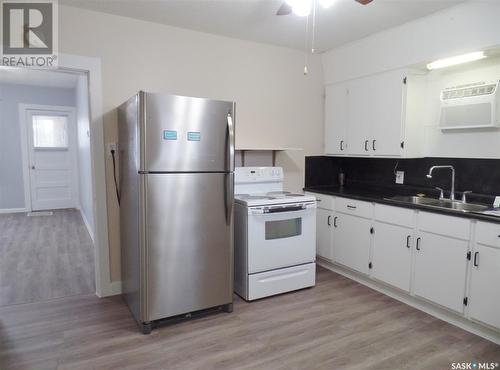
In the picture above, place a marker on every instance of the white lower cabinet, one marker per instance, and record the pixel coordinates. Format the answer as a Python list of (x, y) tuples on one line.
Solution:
[(352, 242), (422, 253), (440, 269), (484, 295), (324, 236), (391, 261)]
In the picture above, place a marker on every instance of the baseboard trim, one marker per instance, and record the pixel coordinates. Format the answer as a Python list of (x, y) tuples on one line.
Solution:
[(111, 289), (87, 225), (13, 210), (429, 308)]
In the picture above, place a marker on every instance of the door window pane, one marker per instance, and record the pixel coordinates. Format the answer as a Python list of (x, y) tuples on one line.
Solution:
[(283, 228), (50, 131)]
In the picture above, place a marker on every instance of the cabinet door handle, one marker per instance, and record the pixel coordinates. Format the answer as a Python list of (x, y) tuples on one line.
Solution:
[(341, 145), (476, 259), (351, 207), (408, 241), (373, 144), (335, 221), (366, 145), (328, 221), (418, 244)]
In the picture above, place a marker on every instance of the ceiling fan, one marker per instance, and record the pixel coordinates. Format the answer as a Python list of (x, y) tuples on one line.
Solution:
[(303, 7)]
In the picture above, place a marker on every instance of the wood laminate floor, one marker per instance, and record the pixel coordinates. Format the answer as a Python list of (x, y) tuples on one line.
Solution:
[(339, 324), (44, 257)]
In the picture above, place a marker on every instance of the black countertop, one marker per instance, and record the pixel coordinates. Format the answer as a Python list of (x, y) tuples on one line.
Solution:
[(379, 195)]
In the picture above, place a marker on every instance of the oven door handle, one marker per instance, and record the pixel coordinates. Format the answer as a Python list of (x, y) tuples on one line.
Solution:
[(284, 209)]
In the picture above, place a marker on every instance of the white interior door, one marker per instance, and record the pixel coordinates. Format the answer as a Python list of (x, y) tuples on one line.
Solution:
[(52, 159)]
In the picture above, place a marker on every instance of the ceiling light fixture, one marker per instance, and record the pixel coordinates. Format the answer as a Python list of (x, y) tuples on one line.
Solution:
[(459, 59), (302, 8)]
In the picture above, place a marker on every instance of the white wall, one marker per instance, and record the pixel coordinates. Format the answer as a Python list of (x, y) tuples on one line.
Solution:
[(276, 105), (470, 26), (478, 143), (84, 158), (11, 165)]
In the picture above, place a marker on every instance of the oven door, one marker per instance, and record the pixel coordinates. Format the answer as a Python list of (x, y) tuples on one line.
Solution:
[(281, 236)]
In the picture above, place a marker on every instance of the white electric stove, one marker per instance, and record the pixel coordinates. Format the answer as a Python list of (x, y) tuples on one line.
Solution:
[(275, 235)]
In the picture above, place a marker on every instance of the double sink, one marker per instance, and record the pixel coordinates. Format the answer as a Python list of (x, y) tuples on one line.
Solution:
[(454, 205)]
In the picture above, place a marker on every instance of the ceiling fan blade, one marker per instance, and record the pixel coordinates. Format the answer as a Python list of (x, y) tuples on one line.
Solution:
[(284, 9), (364, 2)]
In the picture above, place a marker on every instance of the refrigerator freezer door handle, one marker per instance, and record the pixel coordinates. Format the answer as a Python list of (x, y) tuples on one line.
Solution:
[(229, 197), (230, 128)]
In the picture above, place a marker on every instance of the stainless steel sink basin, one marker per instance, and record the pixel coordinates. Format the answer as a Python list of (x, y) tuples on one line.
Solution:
[(414, 200), (460, 206), (440, 203)]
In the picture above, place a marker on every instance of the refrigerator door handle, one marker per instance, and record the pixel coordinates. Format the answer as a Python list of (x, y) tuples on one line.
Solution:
[(230, 129), (229, 197)]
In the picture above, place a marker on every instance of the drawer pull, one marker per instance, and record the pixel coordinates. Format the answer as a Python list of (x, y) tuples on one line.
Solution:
[(351, 207)]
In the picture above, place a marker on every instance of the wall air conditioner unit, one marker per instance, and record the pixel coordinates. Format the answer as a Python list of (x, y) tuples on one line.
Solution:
[(470, 106)]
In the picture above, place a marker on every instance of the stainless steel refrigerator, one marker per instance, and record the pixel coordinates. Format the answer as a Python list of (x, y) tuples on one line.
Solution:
[(176, 184)]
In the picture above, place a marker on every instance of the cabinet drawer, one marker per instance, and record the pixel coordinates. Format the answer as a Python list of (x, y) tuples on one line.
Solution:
[(354, 207), (488, 233), (281, 280), (324, 201), (454, 227), (395, 215)]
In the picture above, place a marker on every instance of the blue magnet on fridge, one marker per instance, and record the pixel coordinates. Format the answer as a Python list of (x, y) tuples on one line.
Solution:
[(194, 136), (169, 135)]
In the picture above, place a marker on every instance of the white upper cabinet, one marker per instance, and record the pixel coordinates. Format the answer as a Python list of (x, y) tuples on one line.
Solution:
[(337, 116), (389, 95), (359, 127), (378, 115)]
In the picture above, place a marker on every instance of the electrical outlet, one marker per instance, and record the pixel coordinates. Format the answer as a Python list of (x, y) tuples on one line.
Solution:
[(400, 177), (111, 146)]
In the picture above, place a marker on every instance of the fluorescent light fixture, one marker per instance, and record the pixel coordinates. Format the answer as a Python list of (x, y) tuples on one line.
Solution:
[(302, 8), (459, 59), (326, 3)]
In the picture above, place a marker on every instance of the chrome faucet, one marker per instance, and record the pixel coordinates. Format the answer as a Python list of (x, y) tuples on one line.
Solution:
[(452, 193)]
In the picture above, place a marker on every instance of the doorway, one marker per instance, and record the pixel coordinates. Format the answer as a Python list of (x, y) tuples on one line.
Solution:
[(47, 210), (52, 158)]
